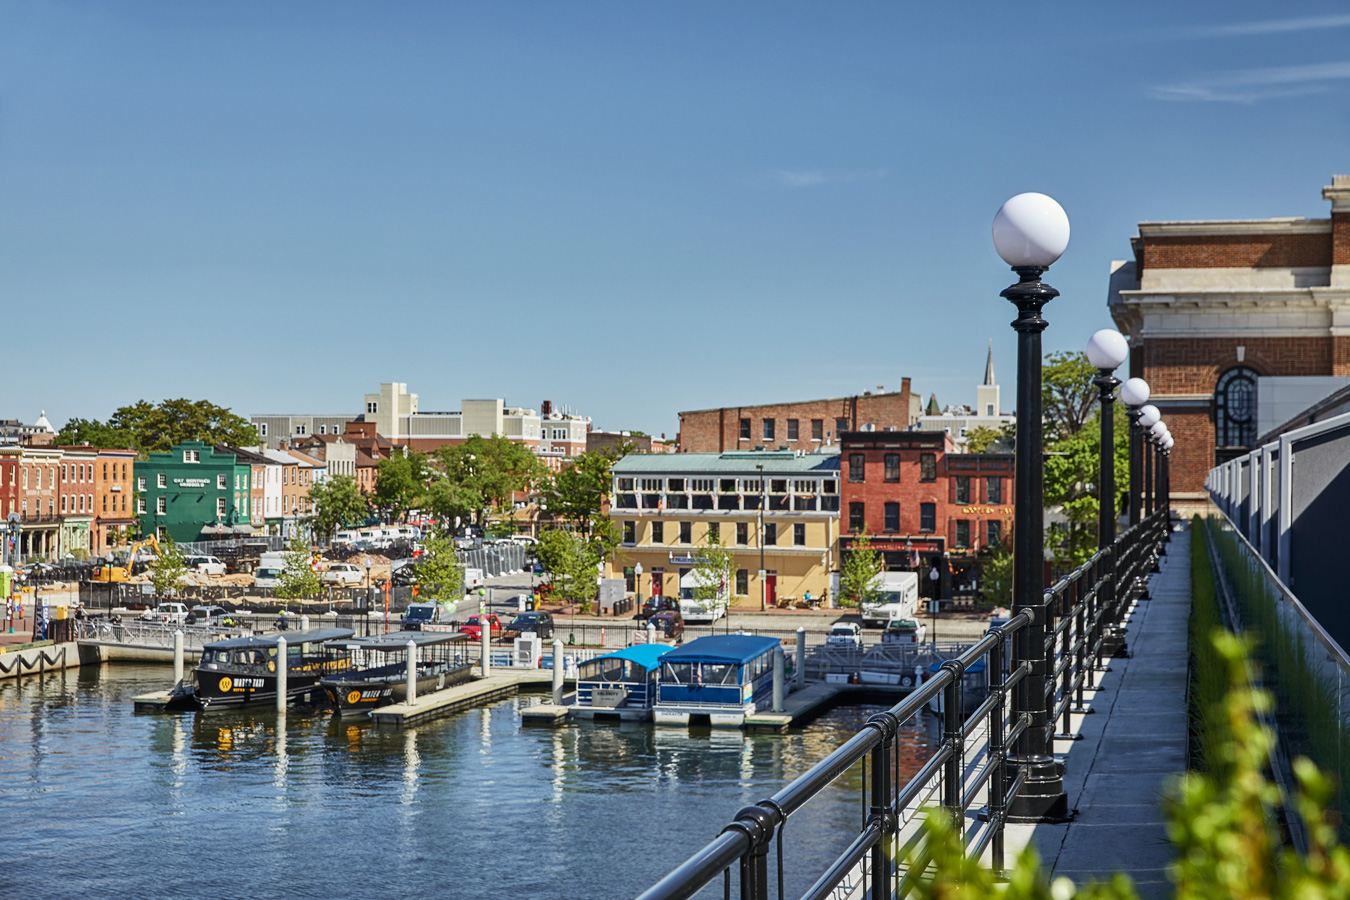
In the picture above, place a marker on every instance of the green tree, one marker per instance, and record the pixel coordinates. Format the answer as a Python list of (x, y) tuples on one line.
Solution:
[(571, 564), (402, 482), (1072, 480), (338, 501), (860, 580), (448, 499), (298, 578), (439, 575), (712, 573), (494, 467), (996, 576), (159, 428), (168, 567), (577, 493), (96, 434), (1068, 397), (982, 439)]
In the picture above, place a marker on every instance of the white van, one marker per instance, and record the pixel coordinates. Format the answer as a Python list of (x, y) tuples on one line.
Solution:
[(695, 610), (899, 599)]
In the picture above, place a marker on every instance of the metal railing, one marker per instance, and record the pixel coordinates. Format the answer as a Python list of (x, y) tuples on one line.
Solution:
[(974, 768)]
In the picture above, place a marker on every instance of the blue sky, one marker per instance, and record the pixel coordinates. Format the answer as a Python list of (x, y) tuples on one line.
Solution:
[(628, 208)]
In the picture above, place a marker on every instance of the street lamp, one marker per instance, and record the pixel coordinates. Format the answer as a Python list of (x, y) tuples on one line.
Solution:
[(763, 578), (637, 585), (1106, 350), (1148, 417), (1134, 393), (1030, 232)]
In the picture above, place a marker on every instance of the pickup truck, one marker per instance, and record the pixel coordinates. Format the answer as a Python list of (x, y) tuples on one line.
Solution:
[(474, 626), (172, 613), (342, 573)]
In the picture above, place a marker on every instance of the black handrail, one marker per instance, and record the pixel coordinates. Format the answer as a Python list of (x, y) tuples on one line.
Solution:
[(1084, 617)]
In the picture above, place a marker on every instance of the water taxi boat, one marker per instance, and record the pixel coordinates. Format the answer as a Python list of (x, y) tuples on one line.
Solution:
[(717, 680), (376, 670), (242, 671), (619, 685)]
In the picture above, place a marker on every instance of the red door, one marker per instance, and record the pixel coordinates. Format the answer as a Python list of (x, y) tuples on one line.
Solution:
[(771, 590)]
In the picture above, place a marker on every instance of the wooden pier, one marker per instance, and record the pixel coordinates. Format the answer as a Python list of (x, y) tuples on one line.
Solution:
[(501, 683)]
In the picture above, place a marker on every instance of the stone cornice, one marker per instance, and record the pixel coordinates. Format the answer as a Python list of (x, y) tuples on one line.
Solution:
[(1233, 227)]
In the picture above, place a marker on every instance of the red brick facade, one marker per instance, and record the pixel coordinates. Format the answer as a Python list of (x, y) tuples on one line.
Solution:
[(1241, 251), (942, 501), (818, 422)]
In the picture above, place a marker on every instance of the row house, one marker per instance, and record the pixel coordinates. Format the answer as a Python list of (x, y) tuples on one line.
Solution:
[(924, 505), (194, 488), (114, 512), (31, 497), (777, 511)]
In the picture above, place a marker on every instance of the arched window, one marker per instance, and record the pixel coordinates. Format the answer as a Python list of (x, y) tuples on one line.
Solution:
[(1235, 408)]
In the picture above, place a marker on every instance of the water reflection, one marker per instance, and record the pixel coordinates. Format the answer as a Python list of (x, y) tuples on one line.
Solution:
[(618, 804)]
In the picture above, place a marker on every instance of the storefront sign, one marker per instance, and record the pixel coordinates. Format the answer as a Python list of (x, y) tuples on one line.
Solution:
[(986, 511), (192, 482)]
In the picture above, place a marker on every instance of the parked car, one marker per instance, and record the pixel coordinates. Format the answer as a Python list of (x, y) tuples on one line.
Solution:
[(657, 604), (540, 623), (474, 626), (207, 565), (904, 631), (342, 573), (846, 633), (207, 615), (669, 624), (170, 613), (267, 577)]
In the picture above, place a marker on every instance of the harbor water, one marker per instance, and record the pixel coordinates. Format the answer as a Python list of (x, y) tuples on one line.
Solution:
[(102, 801)]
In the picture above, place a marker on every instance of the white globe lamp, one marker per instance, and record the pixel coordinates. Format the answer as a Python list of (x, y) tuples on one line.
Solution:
[(1031, 230), (1107, 349), (1134, 392)]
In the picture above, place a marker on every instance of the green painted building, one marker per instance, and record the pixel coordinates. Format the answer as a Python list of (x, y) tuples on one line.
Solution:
[(190, 488)]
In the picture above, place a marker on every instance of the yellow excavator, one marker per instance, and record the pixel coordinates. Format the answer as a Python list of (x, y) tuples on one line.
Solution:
[(117, 572)]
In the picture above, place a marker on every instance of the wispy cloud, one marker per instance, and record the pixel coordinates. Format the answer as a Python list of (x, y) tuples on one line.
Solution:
[(1254, 85), (1270, 26), (815, 177)]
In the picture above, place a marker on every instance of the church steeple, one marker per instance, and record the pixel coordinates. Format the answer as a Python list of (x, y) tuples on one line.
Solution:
[(989, 366)]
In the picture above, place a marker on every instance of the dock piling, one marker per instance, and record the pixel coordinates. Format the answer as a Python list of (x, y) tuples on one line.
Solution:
[(486, 634), (778, 685), (178, 656), (281, 674), (799, 670), (557, 671), (412, 673)]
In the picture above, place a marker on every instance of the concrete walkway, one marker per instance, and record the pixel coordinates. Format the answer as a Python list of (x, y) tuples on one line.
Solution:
[(1133, 744)]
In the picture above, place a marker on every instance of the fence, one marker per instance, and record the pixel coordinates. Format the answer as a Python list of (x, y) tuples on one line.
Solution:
[(993, 761)]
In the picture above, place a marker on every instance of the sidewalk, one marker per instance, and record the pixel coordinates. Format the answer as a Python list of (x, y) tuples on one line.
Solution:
[(1132, 745)]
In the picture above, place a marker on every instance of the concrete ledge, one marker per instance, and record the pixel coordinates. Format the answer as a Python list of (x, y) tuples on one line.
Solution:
[(38, 657)]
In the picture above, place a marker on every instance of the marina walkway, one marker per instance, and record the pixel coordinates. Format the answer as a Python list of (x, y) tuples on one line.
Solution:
[(1132, 745)]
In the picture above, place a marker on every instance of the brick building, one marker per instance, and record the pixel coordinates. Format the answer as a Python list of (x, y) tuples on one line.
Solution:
[(33, 485), (803, 425), (1236, 325), (917, 499)]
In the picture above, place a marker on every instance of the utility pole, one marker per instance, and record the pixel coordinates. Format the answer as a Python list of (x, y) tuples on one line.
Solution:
[(763, 586)]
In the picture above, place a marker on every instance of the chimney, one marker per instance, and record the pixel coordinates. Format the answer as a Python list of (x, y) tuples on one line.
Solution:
[(546, 408)]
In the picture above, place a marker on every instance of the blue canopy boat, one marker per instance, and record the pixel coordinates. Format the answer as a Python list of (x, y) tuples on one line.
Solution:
[(620, 684), (720, 679)]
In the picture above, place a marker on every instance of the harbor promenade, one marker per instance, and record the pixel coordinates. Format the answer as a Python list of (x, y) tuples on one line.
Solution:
[(1130, 747)]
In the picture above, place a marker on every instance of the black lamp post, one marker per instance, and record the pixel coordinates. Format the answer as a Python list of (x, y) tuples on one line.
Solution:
[(1107, 350), (1134, 393), (1031, 231), (1148, 417)]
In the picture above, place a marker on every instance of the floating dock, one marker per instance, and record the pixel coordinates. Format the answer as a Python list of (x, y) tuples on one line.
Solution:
[(501, 683), (152, 702)]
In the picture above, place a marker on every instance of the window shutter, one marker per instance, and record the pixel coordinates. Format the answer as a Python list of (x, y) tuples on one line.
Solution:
[(951, 489), (951, 533)]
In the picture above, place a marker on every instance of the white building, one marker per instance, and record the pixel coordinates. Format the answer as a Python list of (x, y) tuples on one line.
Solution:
[(958, 420)]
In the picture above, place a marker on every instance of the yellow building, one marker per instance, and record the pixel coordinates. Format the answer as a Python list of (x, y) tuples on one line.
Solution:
[(781, 507)]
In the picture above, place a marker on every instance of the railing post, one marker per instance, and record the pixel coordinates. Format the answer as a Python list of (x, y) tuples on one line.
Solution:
[(1067, 601), (758, 824), (883, 854), (953, 738), (998, 749)]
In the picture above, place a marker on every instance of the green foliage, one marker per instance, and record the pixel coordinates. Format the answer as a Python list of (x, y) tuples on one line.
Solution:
[(96, 434), (1068, 396), (1309, 703), (712, 573), (1222, 826), (860, 579), (577, 493), (570, 561), (149, 428), (982, 439), (338, 501), (1208, 675), (167, 568), (439, 574), (402, 482), (1072, 480), (997, 576), (449, 500), (298, 578), (494, 468)]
